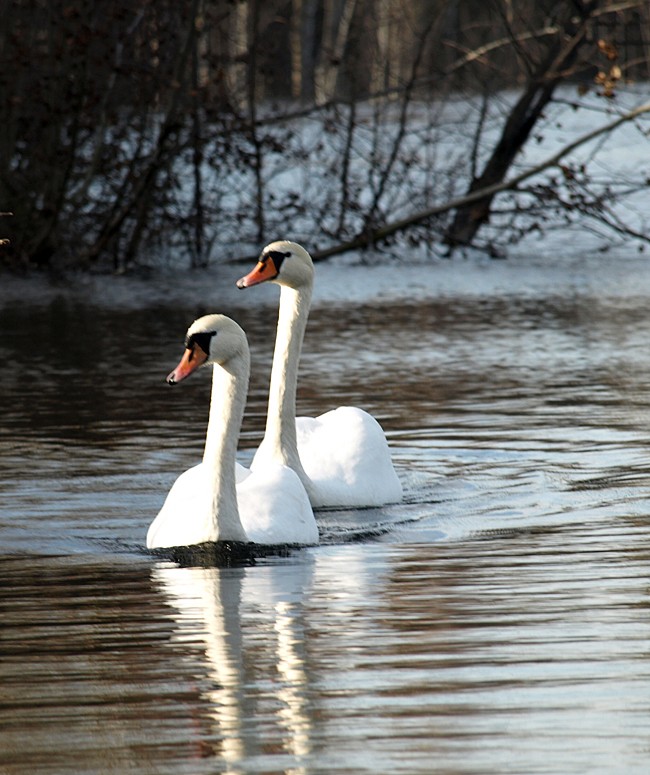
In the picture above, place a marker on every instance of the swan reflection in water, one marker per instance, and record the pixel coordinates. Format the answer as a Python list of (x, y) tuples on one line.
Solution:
[(247, 621)]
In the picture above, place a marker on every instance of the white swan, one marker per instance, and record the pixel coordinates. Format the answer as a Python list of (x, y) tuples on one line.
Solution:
[(210, 502), (342, 457)]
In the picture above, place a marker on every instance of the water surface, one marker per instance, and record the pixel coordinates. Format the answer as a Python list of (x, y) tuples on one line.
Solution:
[(497, 621)]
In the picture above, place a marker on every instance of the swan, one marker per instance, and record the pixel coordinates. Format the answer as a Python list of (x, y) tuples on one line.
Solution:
[(342, 456), (219, 500)]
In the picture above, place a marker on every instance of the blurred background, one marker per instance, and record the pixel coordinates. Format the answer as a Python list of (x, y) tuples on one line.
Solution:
[(142, 134)]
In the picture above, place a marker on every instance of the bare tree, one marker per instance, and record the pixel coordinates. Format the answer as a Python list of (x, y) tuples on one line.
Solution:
[(92, 100), (545, 72), (513, 184), (138, 132)]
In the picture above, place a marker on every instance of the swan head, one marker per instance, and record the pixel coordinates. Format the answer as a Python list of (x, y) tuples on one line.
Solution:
[(283, 262), (210, 340)]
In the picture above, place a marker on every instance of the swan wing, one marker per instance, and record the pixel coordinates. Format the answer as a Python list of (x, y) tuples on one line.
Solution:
[(274, 507), (185, 517), (345, 454)]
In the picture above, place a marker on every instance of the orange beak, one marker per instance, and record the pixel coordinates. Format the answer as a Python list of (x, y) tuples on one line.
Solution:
[(263, 271), (193, 357)]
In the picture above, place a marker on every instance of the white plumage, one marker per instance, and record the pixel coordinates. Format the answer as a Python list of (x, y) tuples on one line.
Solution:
[(342, 456), (220, 500)]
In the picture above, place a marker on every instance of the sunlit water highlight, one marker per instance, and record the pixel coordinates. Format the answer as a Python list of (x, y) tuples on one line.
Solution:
[(497, 621)]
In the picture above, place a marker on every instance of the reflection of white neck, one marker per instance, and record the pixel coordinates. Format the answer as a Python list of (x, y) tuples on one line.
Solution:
[(208, 606), (294, 684), (229, 389), (280, 444), (213, 611)]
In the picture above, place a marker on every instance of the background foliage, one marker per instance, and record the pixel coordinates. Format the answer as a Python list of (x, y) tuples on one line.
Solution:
[(140, 132)]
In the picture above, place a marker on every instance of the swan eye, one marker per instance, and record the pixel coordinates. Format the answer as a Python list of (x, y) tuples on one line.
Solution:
[(277, 258), (201, 340)]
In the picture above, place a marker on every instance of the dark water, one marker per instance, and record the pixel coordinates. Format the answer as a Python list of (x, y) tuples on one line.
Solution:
[(497, 622)]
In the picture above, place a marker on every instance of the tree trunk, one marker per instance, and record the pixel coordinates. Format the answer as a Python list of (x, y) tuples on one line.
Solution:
[(337, 21)]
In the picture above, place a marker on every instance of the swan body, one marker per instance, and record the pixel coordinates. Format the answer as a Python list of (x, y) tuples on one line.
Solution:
[(218, 499), (342, 456)]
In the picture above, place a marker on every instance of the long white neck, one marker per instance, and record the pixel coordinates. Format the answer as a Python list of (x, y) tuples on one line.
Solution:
[(229, 390), (280, 444)]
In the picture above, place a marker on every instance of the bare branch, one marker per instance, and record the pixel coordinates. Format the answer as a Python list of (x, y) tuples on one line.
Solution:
[(365, 240), (493, 45)]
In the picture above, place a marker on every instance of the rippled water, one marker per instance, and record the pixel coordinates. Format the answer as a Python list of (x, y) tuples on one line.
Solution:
[(498, 621)]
